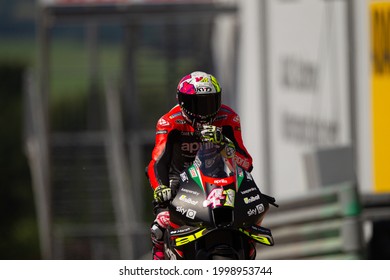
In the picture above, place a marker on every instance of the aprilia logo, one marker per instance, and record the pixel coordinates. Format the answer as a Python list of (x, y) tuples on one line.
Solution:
[(193, 147), (220, 181), (190, 147)]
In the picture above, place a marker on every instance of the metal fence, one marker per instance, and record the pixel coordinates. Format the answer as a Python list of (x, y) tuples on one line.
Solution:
[(324, 224)]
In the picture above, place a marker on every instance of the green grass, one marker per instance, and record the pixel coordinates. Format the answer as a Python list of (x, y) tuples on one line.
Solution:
[(17, 50), (69, 73), (69, 67), (70, 78), (69, 70)]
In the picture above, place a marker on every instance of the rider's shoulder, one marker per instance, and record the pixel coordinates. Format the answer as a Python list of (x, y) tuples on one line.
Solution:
[(173, 118), (225, 108), (227, 114)]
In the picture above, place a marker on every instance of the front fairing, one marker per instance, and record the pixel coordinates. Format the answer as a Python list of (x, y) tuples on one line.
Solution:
[(214, 192)]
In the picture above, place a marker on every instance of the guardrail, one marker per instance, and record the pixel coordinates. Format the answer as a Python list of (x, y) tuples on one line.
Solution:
[(376, 213), (325, 224)]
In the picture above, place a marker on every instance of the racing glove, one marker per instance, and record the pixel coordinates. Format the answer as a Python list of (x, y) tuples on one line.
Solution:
[(162, 194), (211, 133)]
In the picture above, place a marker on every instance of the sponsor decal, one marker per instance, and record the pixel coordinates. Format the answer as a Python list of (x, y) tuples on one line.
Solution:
[(190, 147), (180, 121), (163, 122), (187, 200), (248, 190), (236, 119), (189, 191), (251, 199), (161, 132), (197, 162), (178, 231), (256, 211), (264, 239), (175, 115), (184, 177), (189, 213), (260, 208), (241, 161), (189, 238), (193, 172), (193, 147), (220, 181), (204, 89)]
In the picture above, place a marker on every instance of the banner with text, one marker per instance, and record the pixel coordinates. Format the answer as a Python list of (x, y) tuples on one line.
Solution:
[(380, 82), (308, 86)]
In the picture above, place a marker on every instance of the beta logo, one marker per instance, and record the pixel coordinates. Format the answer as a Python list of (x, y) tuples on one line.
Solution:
[(251, 199), (188, 200)]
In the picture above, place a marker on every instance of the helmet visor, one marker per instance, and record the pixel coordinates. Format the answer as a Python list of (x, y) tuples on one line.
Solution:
[(201, 105)]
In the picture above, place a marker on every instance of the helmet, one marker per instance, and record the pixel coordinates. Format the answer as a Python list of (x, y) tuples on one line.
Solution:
[(199, 96)]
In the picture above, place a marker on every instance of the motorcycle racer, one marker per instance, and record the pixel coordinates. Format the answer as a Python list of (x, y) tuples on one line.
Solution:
[(198, 116)]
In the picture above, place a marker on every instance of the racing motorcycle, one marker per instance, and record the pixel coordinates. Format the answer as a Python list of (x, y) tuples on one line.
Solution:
[(217, 210)]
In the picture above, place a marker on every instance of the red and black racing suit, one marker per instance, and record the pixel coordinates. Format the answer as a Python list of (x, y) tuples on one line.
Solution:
[(176, 145)]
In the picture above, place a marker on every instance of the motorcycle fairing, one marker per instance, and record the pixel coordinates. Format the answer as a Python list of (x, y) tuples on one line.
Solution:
[(215, 210), (259, 234), (192, 205), (185, 235)]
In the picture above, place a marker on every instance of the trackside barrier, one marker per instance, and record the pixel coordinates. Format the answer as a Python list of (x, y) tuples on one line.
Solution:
[(324, 224)]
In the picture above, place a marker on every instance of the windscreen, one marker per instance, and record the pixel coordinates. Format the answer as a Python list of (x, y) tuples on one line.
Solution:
[(212, 161)]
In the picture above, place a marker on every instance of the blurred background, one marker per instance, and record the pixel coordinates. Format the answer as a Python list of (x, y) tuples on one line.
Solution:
[(84, 82)]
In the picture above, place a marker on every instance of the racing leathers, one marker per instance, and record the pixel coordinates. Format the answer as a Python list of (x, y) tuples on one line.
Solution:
[(176, 145)]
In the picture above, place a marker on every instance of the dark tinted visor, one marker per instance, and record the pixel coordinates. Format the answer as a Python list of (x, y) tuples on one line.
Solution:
[(201, 105)]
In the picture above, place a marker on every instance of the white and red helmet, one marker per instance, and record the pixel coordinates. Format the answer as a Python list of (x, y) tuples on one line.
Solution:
[(199, 96)]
